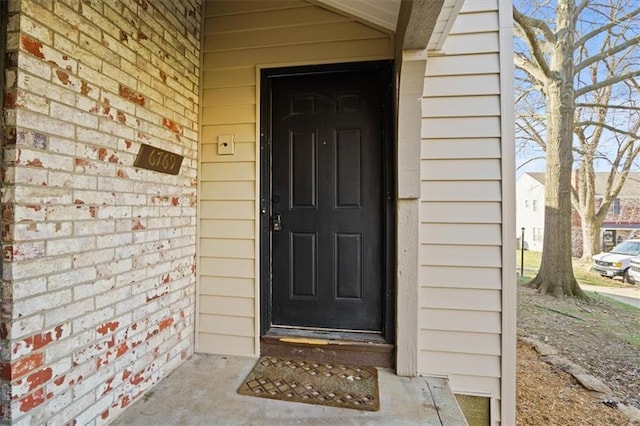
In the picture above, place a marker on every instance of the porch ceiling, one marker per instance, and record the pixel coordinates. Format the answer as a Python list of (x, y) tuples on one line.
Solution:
[(384, 13)]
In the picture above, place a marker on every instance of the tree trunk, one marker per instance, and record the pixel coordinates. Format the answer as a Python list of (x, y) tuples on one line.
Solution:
[(590, 238), (556, 270), (590, 220)]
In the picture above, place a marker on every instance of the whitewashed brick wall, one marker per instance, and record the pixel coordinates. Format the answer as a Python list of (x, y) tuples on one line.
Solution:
[(98, 277)]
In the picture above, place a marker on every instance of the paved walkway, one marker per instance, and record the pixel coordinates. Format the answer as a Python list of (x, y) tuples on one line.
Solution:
[(628, 295), (202, 391)]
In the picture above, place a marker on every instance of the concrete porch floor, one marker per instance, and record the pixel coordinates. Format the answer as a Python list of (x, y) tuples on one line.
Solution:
[(202, 391)]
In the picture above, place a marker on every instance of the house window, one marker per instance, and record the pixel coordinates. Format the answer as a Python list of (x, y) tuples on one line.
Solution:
[(534, 205), (526, 204), (537, 235), (615, 206)]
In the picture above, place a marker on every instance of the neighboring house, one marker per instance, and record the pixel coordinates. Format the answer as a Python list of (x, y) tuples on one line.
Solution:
[(621, 222), (530, 210), (187, 176)]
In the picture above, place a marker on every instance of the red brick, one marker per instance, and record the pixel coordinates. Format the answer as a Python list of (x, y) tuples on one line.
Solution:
[(39, 377), (131, 95), (108, 327), (31, 401), (26, 364), (32, 46)]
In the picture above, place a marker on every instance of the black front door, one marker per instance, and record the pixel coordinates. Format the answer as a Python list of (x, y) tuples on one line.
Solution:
[(327, 199)]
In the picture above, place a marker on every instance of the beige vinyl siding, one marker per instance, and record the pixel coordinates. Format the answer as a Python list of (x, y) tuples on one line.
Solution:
[(461, 208), (240, 37)]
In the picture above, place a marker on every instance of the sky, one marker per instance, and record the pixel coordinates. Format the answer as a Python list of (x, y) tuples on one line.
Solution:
[(530, 159)]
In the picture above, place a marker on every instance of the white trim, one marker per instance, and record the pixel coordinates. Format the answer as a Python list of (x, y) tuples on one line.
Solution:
[(509, 289), (408, 145), (414, 55), (196, 307), (451, 19), (258, 215)]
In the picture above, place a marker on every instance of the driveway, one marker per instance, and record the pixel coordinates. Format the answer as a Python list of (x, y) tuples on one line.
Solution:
[(628, 295)]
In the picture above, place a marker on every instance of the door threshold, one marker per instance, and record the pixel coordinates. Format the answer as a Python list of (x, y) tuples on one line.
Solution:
[(365, 349), (330, 335)]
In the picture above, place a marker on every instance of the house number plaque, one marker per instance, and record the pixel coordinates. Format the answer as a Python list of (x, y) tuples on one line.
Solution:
[(158, 160)]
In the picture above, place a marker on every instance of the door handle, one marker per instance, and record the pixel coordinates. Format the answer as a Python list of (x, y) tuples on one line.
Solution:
[(276, 222)]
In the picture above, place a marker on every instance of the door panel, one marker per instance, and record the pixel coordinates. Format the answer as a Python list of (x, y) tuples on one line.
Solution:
[(327, 259)]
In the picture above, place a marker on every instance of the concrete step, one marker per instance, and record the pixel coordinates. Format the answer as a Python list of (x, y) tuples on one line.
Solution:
[(329, 350)]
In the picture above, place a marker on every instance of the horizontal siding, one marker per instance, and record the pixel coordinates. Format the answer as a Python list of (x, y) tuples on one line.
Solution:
[(222, 324), (472, 43), (226, 267), (228, 306), (462, 342), (228, 190), (474, 6), (234, 7), (233, 171), (460, 255), (305, 34), (456, 169), (461, 207), (228, 228), (463, 190), (447, 106), (244, 132), (243, 152), (460, 212), (226, 209), (228, 114), (435, 149), (449, 364), (229, 96), (477, 22), (327, 51), (238, 37), (228, 77), (487, 63), (460, 127), (461, 85), (250, 20), (226, 286), (233, 248), (461, 233), (463, 321), (462, 277), (461, 299), (225, 344)]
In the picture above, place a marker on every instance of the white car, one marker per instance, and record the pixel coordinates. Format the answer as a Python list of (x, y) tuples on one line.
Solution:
[(634, 270), (617, 262)]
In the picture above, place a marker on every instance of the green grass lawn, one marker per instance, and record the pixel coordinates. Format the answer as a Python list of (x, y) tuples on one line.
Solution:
[(581, 270)]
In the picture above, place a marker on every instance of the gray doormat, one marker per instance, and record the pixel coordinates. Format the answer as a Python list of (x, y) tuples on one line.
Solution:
[(345, 386)]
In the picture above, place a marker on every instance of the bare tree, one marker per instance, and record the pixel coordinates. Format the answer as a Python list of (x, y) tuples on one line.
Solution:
[(576, 65)]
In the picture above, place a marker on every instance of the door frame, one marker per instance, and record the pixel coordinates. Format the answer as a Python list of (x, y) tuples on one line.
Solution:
[(386, 70)]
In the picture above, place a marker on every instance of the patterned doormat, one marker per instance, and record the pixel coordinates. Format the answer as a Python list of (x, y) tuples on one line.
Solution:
[(345, 386)]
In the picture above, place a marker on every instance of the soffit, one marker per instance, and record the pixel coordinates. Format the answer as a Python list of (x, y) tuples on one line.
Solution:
[(384, 14)]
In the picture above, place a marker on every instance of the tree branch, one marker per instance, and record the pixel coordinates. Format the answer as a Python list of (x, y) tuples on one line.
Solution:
[(529, 67), (530, 160), (527, 24), (607, 82), (606, 53), (608, 127), (609, 106), (606, 27)]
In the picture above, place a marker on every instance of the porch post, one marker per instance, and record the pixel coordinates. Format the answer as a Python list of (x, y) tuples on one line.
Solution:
[(409, 118), (416, 21)]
